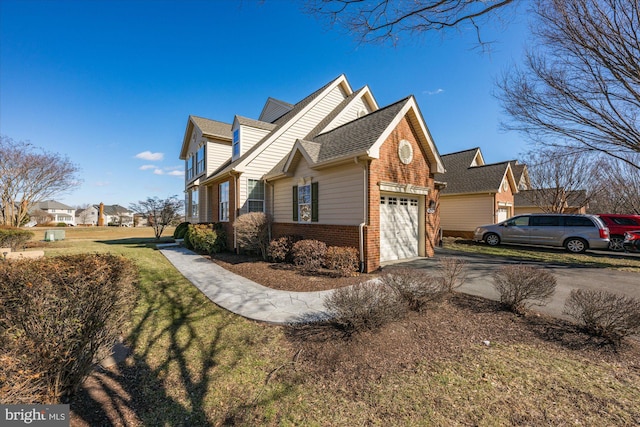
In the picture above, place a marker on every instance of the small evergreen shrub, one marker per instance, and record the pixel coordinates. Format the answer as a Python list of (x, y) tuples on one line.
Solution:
[(14, 238), (205, 238), (364, 306), (280, 248), (414, 286), (604, 314), (181, 230), (58, 317), (344, 260), (452, 273), (252, 233), (520, 286), (309, 254)]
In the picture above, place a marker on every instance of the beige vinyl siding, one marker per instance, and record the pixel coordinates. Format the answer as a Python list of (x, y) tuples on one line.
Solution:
[(465, 213), (249, 136), (218, 152), (269, 155), (340, 194), (350, 114), (273, 110)]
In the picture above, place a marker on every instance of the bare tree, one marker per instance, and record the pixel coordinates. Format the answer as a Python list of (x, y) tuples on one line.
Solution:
[(29, 175), (375, 21), (560, 177), (621, 182), (580, 85), (159, 212)]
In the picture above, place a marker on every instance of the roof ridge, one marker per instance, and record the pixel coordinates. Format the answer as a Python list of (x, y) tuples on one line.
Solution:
[(461, 151)]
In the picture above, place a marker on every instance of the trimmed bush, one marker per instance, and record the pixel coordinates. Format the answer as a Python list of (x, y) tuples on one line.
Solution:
[(181, 230), (280, 248), (521, 286), (414, 287), (14, 238), (205, 238), (604, 314), (344, 260), (452, 273), (58, 317), (309, 254), (252, 233), (364, 306)]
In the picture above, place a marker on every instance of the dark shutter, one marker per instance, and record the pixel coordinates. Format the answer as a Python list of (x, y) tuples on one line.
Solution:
[(314, 202), (295, 202)]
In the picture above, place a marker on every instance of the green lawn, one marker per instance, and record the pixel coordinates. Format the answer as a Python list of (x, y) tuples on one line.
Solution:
[(196, 364)]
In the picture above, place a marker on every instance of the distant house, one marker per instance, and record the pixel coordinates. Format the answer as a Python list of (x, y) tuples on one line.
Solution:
[(476, 193), (113, 215), (51, 211), (333, 167), (551, 200)]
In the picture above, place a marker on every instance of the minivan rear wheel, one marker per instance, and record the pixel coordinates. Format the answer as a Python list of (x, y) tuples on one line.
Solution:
[(576, 245), (492, 239)]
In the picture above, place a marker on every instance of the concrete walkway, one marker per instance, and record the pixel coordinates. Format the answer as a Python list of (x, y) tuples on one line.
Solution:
[(243, 296), (251, 300)]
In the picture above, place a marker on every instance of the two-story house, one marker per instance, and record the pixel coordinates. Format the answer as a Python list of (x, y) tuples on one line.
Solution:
[(333, 167), (54, 212)]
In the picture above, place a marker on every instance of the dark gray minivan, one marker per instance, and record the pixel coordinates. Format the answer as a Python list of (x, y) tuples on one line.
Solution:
[(576, 233)]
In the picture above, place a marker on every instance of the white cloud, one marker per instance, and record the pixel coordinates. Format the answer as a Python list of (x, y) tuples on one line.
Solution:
[(176, 173), (433, 92), (102, 183), (148, 155), (147, 167), (158, 172)]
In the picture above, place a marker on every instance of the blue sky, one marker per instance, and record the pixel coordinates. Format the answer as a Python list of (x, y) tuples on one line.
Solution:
[(110, 84)]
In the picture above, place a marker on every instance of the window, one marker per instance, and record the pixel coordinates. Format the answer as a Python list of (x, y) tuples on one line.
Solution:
[(190, 167), (194, 202), (578, 221), (200, 160), (519, 221), (223, 213), (236, 143), (545, 221), (255, 195), (305, 203), (624, 221)]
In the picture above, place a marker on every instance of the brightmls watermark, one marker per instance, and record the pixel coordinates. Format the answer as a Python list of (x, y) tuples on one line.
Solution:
[(37, 415)]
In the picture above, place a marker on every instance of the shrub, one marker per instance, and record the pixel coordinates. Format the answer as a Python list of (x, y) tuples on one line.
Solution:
[(252, 232), (205, 238), (520, 286), (181, 230), (344, 260), (364, 306), (59, 316), (604, 314), (14, 238), (452, 273), (309, 254), (280, 248), (414, 287)]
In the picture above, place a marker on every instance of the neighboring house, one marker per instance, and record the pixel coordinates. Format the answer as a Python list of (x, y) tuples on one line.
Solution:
[(52, 211), (539, 201), (475, 194), (333, 167), (113, 215), (521, 176)]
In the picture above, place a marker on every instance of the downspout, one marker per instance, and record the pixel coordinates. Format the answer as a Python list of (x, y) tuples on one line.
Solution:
[(365, 187), (235, 211)]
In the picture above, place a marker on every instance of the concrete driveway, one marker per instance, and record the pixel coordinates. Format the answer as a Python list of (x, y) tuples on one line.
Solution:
[(481, 267)]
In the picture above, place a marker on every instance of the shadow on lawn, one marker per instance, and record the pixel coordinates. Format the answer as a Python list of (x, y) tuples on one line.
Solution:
[(137, 241), (138, 393)]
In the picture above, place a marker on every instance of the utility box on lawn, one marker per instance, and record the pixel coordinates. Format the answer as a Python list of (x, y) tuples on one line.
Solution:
[(53, 235)]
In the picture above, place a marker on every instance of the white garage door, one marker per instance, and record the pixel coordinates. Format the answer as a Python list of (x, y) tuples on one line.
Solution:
[(503, 213), (398, 227)]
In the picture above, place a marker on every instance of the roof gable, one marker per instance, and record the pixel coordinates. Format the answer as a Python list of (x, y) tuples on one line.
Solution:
[(208, 128), (464, 175), (273, 109)]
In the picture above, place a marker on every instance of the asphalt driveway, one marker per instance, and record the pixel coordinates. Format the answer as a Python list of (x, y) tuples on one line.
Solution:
[(480, 268)]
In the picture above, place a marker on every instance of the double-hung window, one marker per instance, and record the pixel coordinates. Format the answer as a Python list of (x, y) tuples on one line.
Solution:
[(190, 167), (305, 202), (223, 212), (200, 160), (255, 195), (236, 143), (194, 203)]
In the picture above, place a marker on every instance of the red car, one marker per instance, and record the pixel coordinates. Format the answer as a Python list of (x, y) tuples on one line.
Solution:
[(632, 241), (618, 225)]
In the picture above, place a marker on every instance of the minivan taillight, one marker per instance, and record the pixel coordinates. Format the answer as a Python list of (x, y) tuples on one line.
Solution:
[(604, 233)]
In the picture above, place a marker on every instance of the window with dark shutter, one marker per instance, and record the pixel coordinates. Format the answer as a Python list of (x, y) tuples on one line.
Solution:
[(314, 202), (295, 202)]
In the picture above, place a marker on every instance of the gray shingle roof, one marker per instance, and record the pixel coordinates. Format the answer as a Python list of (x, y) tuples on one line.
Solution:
[(52, 204), (213, 127), (461, 177), (255, 123)]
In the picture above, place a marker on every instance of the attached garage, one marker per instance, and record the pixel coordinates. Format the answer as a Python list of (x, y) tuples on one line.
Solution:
[(399, 227)]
